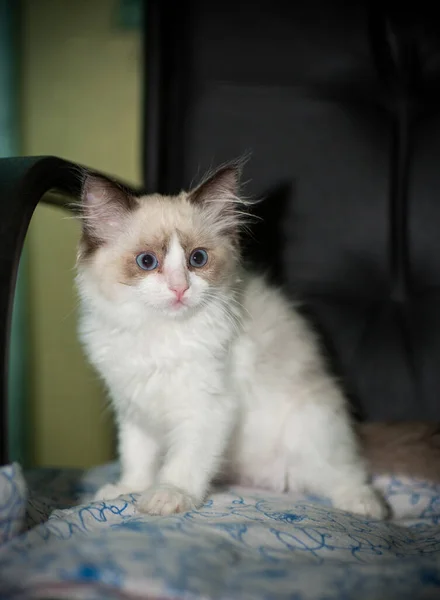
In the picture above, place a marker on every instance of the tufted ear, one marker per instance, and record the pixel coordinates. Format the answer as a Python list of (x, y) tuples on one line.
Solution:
[(104, 206), (222, 186), (218, 197)]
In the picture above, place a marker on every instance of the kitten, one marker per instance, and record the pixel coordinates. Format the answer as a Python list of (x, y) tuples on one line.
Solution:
[(209, 369)]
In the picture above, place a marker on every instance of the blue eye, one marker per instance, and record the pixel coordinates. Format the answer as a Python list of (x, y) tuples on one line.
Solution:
[(198, 258), (147, 261)]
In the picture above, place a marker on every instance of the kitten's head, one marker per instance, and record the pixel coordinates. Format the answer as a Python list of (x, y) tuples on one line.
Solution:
[(172, 254)]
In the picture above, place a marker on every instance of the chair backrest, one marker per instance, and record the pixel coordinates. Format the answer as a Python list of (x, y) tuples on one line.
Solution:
[(339, 104)]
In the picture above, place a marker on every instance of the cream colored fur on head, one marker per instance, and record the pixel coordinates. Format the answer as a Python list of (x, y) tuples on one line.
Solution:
[(210, 371)]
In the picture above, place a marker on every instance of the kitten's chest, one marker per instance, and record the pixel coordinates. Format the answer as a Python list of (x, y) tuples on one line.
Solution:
[(150, 374), (133, 357)]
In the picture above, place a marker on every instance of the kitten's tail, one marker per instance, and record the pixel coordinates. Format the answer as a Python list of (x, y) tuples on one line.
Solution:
[(403, 448)]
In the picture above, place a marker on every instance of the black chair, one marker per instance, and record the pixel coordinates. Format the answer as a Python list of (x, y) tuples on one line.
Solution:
[(339, 104)]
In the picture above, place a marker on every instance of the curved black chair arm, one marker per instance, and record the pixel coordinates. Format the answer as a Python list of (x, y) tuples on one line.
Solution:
[(23, 183)]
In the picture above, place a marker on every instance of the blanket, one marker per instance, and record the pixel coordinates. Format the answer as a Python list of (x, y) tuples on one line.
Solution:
[(242, 544)]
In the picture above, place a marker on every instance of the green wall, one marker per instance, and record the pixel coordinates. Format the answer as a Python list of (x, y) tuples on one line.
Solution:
[(81, 94)]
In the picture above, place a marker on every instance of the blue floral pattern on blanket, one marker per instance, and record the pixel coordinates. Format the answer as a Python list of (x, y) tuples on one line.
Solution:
[(242, 544)]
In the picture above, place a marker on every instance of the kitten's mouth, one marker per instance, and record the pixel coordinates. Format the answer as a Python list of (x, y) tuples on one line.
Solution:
[(177, 304)]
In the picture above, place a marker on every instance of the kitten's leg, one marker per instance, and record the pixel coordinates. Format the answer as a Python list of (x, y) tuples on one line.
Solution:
[(324, 456), (138, 453), (195, 450)]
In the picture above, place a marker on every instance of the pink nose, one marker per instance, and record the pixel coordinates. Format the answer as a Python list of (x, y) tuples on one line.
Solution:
[(179, 290)]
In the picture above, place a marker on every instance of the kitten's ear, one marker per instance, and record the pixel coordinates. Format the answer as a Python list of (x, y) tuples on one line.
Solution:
[(222, 186), (105, 204), (218, 197)]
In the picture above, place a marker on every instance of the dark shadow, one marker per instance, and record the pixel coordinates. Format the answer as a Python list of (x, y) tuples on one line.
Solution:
[(264, 247)]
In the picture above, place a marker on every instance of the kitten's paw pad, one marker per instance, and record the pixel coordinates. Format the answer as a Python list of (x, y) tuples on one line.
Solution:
[(110, 491), (163, 500), (365, 501)]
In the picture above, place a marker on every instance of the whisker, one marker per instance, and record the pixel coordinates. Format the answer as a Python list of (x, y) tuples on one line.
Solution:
[(234, 323), (224, 304), (73, 310)]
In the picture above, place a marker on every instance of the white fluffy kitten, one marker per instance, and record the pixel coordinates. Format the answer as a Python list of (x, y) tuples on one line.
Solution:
[(209, 369)]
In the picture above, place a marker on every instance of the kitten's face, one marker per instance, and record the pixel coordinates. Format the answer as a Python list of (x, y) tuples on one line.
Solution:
[(171, 254)]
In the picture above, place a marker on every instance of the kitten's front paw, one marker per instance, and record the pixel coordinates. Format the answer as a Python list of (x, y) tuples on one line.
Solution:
[(110, 491), (165, 500), (365, 501)]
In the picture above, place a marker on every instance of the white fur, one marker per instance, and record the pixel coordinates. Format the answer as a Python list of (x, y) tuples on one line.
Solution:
[(231, 384)]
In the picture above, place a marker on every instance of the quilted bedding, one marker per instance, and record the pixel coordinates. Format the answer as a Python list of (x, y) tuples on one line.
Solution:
[(242, 544)]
